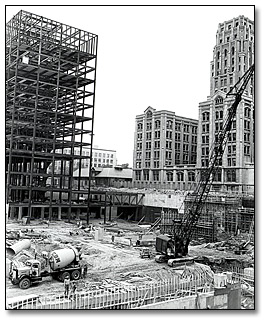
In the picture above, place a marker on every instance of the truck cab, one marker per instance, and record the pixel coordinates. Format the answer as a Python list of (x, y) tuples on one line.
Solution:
[(25, 273)]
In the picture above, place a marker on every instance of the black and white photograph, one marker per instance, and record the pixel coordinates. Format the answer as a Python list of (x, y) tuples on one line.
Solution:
[(130, 157)]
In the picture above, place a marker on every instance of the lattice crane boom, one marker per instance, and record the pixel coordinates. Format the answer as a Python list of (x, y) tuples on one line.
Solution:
[(183, 229)]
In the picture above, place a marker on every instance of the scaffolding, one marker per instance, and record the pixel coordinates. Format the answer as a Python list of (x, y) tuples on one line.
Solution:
[(50, 96), (221, 213)]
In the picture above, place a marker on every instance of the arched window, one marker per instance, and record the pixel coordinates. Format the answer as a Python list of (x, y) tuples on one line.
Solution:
[(169, 176), (191, 176), (219, 100), (180, 177), (169, 124), (157, 124), (149, 114)]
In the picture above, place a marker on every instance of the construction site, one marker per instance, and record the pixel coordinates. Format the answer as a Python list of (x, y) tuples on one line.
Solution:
[(72, 247)]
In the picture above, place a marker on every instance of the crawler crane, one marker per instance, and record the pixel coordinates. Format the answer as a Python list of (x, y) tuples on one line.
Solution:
[(175, 248)]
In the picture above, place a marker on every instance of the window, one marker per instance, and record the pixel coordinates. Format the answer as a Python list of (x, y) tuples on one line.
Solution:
[(139, 126), (247, 112), (177, 126), (168, 155), (194, 137), (180, 177), (148, 125), (246, 124), (139, 136), (146, 175), (168, 145), (157, 124), (229, 27), (186, 137), (231, 175), (169, 176), (233, 50), (246, 150), (219, 100), (191, 176), (185, 147), (149, 114), (156, 175), (186, 128), (138, 175), (169, 124), (148, 155), (217, 177), (168, 134), (157, 145), (147, 164), (157, 134)]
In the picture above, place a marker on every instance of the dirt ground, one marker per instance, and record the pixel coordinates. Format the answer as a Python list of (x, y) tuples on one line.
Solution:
[(108, 262)]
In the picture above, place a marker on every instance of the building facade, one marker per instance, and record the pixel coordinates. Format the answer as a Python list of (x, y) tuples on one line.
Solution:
[(100, 158), (103, 158), (232, 56), (164, 150)]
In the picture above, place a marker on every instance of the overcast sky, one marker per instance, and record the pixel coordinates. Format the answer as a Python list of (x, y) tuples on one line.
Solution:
[(147, 56)]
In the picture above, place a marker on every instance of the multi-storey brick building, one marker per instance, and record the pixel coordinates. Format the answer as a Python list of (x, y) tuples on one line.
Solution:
[(232, 56), (164, 144)]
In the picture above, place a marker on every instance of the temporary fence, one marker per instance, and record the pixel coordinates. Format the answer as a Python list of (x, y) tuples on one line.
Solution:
[(117, 296)]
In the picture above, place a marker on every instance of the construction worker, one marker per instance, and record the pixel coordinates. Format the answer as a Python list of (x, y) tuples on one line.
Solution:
[(85, 270), (74, 288), (67, 285)]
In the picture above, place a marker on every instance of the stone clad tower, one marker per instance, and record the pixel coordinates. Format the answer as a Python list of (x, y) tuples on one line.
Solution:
[(233, 55)]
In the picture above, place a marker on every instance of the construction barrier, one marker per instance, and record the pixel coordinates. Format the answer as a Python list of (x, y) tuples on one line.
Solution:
[(115, 296)]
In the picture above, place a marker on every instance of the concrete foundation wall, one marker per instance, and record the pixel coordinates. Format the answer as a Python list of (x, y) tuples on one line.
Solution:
[(200, 301), (167, 200)]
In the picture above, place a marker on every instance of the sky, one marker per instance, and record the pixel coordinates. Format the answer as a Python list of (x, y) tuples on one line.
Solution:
[(156, 56)]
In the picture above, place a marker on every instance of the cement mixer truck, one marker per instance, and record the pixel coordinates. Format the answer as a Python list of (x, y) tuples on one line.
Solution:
[(60, 263)]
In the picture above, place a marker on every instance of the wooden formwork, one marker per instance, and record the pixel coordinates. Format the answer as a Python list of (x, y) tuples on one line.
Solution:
[(220, 213)]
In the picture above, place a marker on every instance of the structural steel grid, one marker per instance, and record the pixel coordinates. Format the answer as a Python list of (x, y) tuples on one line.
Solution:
[(50, 96)]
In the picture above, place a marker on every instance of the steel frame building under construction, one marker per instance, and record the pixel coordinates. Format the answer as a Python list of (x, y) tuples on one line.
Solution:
[(50, 96)]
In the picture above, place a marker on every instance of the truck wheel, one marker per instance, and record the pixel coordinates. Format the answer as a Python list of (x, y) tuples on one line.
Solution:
[(75, 275), (25, 283), (64, 275)]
